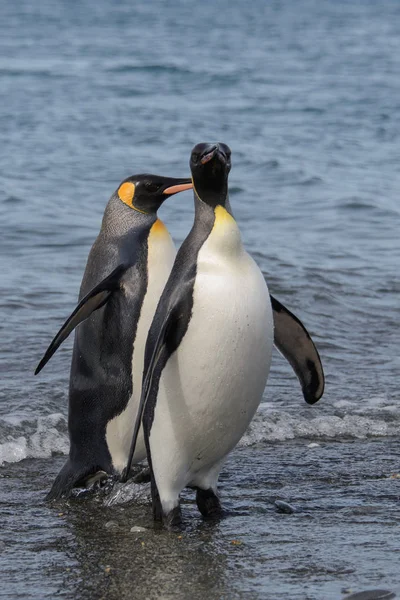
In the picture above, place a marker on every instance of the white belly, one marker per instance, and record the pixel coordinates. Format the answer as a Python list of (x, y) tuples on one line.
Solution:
[(212, 385), (161, 256)]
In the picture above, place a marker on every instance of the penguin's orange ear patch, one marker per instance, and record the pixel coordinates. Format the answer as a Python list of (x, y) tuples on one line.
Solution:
[(126, 193)]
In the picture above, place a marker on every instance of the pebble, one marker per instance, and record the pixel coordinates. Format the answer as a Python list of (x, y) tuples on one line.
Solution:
[(137, 529), (313, 445), (371, 595)]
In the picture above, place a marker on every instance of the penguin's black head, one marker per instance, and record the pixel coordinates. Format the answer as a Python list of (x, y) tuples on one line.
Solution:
[(210, 165), (146, 193)]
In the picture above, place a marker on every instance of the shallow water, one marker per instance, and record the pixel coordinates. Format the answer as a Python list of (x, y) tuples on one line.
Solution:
[(308, 101), (342, 535)]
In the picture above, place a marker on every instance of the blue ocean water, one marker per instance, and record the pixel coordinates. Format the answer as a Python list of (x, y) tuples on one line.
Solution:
[(306, 94)]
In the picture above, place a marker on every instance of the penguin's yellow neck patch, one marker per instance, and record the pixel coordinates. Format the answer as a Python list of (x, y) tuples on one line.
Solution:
[(222, 217), (159, 228), (126, 193), (224, 239)]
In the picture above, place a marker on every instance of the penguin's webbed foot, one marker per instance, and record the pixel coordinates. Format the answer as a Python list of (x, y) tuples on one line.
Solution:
[(208, 504), (172, 521), (95, 480), (144, 476)]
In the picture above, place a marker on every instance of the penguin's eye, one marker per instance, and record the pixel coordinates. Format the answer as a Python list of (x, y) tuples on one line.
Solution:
[(151, 187)]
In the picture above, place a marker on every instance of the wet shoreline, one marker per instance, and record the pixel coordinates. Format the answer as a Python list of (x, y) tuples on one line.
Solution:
[(341, 536)]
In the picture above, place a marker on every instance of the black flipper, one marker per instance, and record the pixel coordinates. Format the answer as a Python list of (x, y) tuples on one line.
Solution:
[(295, 344), (146, 387), (169, 336), (95, 299)]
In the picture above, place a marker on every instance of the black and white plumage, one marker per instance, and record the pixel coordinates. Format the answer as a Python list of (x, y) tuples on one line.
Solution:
[(127, 268), (209, 349)]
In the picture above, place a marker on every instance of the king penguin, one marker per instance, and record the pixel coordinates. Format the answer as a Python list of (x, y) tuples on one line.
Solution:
[(208, 351), (127, 268)]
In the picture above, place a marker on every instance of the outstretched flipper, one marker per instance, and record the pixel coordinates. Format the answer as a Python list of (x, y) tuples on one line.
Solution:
[(295, 344), (95, 299)]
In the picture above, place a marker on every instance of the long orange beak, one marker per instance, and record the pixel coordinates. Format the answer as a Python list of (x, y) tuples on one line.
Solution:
[(174, 189)]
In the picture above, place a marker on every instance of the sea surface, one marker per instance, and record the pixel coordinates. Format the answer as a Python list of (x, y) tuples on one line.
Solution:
[(307, 95)]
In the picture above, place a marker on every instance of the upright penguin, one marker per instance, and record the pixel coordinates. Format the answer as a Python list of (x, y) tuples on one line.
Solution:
[(209, 349), (127, 268)]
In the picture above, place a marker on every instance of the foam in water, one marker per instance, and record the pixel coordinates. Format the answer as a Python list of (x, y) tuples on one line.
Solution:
[(40, 438), (281, 426), (373, 418), (44, 436)]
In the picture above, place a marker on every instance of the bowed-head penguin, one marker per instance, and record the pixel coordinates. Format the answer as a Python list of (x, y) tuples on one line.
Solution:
[(209, 347), (127, 268)]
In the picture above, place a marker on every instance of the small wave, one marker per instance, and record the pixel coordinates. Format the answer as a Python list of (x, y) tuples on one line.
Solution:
[(314, 110), (234, 190), (40, 438), (268, 165), (21, 71), (13, 200), (42, 68), (147, 68), (45, 436), (355, 203), (313, 180), (348, 422)]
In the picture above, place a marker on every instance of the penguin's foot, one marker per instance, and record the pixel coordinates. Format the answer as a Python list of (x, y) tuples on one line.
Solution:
[(173, 520), (144, 476), (208, 504), (156, 502), (99, 478)]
